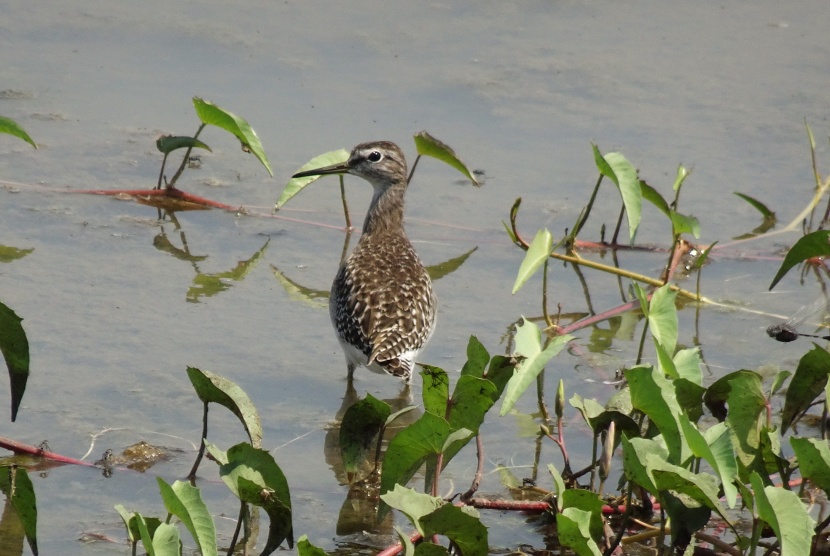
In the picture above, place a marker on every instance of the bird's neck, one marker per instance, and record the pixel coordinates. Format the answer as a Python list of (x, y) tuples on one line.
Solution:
[(385, 214)]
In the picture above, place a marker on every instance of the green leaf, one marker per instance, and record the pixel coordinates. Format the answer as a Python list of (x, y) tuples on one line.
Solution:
[(807, 384), (412, 504), (130, 523), (653, 196), (703, 257), (358, 430), (813, 460), (811, 245), (457, 437), (12, 128), (427, 145), (477, 359), (690, 398), (757, 205), (559, 484), (684, 224), (305, 548), (465, 411), (169, 143), (20, 493), (214, 388), (664, 360), (680, 177), (460, 524), (687, 362), (642, 297), (295, 185), (212, 114), (406, 542), (537, 255), (654, 395), (723, 464), (146, 535), (624, 175), (745, 419), (15, 348), (430, 549), (436, 389), (635, 454), (687, 516), (720, 444), (778, 382), (572, 524), (599, 417), (499, 372), (398, 413), (662, 318), (701, 487), (786, 515), (471, 399), (410, 448), (529, 346), (166, 540), (185, 502), (255, 478), (587, 501)]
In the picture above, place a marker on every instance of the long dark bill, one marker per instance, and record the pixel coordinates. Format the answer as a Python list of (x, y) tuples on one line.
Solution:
[(341, 168)]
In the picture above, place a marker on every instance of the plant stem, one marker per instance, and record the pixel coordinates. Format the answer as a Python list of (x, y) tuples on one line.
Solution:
[(438, 463), (239, 522), (545, 294), (575, 259), (161, 172), (192, 475), (412, 171), (618, 226), (345, 204), (172, 182), (623, 523), (479, 470), (583, 216)]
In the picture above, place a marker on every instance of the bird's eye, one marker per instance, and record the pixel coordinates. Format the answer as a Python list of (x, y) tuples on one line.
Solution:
[(374, 156)]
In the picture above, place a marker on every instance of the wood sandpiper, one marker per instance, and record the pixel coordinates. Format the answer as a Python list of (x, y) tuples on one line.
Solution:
[(382, 305)]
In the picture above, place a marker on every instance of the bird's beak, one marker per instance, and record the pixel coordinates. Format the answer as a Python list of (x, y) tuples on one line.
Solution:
[(341, 168)]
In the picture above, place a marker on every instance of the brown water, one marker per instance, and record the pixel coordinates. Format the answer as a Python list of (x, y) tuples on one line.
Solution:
[(518, 89)]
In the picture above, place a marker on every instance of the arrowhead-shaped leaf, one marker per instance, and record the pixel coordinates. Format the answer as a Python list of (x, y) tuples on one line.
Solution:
[(12, 128), (185, 502), (427, 145), (811, 245), (212, 114), (295, 185), (535, 258), (529, 346), (15, 348), (211, 387)]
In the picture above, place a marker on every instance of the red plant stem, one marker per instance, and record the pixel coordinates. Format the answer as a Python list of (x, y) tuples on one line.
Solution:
[(398, 547), (169, 192), (536, 506), (185, 196), (20, 448), (479, 470)]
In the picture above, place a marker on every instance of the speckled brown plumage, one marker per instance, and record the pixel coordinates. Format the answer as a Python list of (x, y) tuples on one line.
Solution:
[(382, 305)]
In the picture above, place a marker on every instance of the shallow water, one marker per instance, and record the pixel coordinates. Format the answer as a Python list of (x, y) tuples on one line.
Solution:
[(519, 90)]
